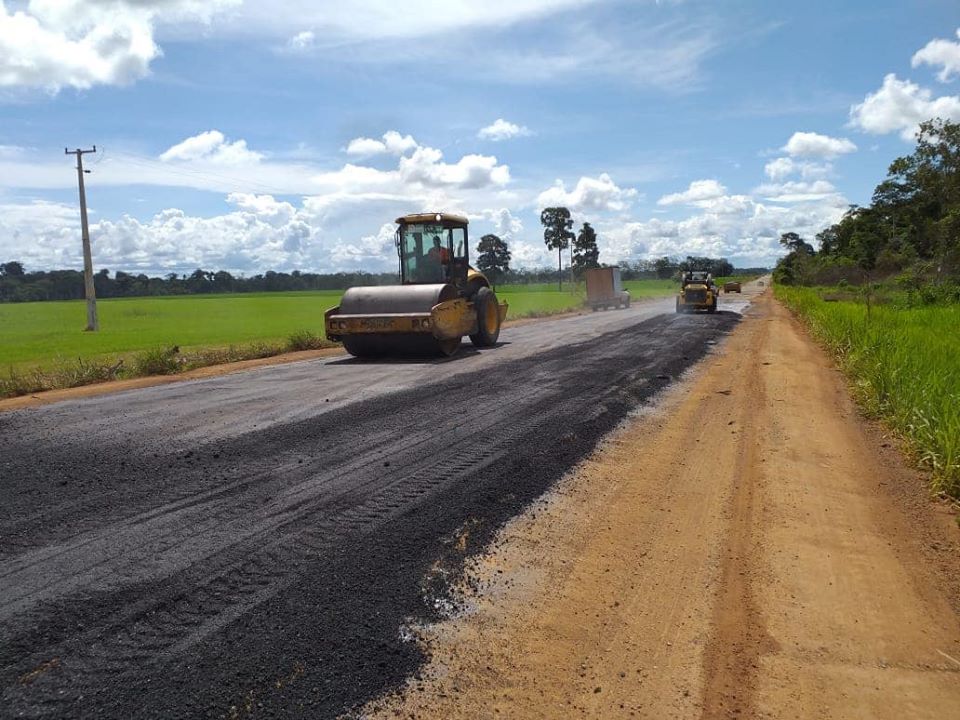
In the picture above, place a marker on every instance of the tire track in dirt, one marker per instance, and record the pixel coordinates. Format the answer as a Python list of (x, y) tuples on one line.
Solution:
[(739, 637)]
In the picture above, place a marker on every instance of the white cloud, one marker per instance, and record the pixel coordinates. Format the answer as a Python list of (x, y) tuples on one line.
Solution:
[(944, 53), (598, 194), (793, 192), (51, 44), (393, 143), (378, 19), (810, 144), (213, 147), (782, 167), (368, 252), (747, 231), (210, 162), (900, 105), (700, 191), (424, 166), (505, 224), (502, 129), (302, 41)]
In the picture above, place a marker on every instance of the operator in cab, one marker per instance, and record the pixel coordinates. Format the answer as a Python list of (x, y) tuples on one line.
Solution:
[(437, 261)]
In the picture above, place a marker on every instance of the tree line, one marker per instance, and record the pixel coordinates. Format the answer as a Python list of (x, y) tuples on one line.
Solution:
[(17, 285), (493, 259), (910, 230)]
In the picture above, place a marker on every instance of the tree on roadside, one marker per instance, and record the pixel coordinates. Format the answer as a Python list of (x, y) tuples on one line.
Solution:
[(557, 234), (586, 254), (796, 266), (795, 243), (493, 258), (11, 269)]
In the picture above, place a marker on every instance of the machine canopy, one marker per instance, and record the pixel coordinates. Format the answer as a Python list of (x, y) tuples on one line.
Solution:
[(431, 253)]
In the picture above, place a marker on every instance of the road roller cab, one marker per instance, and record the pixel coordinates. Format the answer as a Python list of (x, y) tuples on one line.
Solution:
[(440, 298)]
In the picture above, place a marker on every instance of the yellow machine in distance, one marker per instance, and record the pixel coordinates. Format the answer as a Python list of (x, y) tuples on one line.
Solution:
[(697, 292), (440, 298)]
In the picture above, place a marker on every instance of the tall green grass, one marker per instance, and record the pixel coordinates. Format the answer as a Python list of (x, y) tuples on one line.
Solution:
[(43, 345), (904, 365)]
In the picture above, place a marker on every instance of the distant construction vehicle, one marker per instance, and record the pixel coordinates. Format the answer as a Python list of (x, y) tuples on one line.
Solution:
[(605, 290), (440, 298), (732, 286), (697, 292)]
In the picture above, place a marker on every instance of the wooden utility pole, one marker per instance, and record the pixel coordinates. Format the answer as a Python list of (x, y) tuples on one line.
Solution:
[(93, 323)]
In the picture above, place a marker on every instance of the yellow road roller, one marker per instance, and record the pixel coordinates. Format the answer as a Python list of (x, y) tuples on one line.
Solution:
[(697, 292), (440, 298)]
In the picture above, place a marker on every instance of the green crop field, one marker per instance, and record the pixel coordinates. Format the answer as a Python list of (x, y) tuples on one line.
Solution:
[(904, 366), (44, 334)]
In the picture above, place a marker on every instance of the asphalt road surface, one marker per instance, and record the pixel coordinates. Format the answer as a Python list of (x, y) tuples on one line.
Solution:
[(256, 544)]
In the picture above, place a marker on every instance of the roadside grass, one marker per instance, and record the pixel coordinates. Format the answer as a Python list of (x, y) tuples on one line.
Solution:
[(165, 360), (43, 345), (904, 367), (50, 333)]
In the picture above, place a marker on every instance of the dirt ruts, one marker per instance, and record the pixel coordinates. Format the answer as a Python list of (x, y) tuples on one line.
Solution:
[(152, 574)]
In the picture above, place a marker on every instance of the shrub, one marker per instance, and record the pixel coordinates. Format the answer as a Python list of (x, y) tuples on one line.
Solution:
[(157, 361), (305, 340)]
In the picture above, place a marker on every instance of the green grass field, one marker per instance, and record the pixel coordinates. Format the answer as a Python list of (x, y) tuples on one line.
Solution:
[(904, 367), (47, 333)]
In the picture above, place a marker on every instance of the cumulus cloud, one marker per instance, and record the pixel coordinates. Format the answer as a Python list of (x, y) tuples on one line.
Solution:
[(600, 194), (212, 146), (254, 236), (810, 144), (393, 143), (942, 53), (505, 223), (52, 44), (501, 129), (699, 192), (369, 251), (746, 231), (783, 167), (780, 168), (900, 105), (425, 167)]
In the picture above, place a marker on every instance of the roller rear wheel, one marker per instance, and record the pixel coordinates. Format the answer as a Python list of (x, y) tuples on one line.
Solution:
[(488, 318)]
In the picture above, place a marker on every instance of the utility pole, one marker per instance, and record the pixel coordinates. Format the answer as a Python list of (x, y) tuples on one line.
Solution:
[(93, 323)]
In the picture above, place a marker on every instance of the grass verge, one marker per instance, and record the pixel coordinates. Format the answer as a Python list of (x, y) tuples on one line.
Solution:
[(904, 368), (144, 363)]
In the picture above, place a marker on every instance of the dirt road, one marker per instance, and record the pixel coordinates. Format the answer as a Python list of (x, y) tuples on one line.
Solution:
[(749, 550), (256, 544)]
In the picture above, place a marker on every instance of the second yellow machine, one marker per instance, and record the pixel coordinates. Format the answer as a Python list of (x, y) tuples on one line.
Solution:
[(440, 298)]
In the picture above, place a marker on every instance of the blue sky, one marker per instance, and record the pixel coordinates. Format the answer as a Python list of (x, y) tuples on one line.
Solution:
[(248, 135)]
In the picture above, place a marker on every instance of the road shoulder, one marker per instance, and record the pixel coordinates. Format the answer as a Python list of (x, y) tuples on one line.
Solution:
[(744, 550)]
